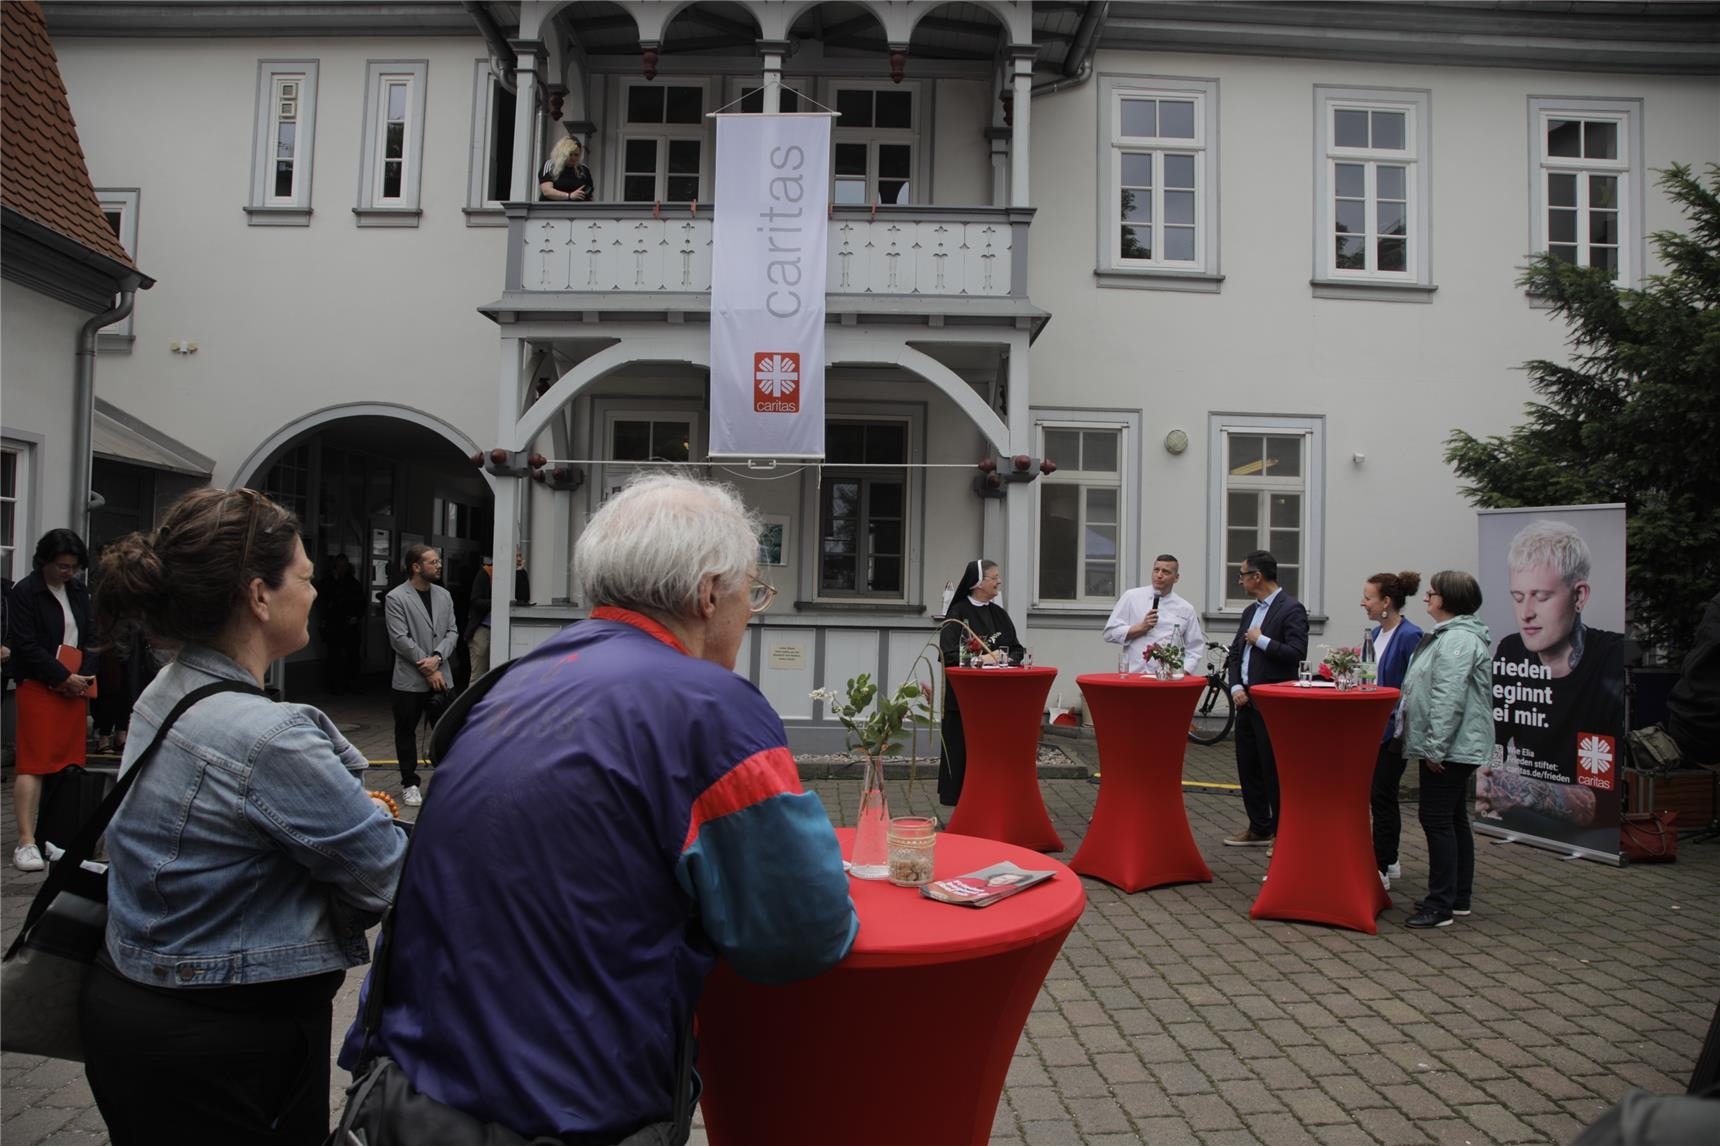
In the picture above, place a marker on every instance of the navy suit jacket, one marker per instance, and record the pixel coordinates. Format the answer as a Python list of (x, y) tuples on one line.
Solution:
[(1286, 631)]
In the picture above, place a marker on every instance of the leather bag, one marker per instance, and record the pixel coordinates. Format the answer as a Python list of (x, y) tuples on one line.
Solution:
[(1649, 837), (43, 972)]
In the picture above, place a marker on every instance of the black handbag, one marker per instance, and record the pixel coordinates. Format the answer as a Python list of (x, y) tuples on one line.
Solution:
[(383, 1108), (43, 971)]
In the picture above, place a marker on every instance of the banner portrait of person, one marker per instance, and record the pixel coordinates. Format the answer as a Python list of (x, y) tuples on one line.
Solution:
[(1553, 597)]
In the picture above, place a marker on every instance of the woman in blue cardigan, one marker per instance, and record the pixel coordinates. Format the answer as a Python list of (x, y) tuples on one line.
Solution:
[(1394, 639)]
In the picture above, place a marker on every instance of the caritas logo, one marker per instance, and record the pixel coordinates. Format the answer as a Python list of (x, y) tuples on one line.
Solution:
[(776, 382), (1595, 755)]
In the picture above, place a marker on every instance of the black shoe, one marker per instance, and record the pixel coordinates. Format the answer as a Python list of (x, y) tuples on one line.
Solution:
[(1421, 905), (1428, 918)]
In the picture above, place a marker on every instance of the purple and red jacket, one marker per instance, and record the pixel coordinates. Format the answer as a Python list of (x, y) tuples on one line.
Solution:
[(615, 815)]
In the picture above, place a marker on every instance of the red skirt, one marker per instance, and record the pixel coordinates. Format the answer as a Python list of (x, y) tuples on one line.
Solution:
[(52, 729)]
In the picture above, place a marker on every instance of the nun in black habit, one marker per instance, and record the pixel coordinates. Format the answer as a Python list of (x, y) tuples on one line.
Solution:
[(975, 605)]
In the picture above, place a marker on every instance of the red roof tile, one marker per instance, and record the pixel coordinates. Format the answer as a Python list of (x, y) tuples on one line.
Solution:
[(42, 171)]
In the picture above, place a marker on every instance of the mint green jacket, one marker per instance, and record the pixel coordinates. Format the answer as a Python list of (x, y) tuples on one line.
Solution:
[(1448, 695)]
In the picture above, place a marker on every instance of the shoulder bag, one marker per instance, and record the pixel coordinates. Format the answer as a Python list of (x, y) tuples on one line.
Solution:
[(43, 972), (383, 1108)]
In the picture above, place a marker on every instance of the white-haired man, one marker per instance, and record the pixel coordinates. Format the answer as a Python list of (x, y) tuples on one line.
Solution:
[(1564, 686), (618, 810)]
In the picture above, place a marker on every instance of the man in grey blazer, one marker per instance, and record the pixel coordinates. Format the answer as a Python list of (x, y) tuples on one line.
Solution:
[(422, 632)]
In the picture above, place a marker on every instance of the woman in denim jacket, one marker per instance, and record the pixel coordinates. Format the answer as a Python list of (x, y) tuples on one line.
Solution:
[(1448, 726), (246, 862)]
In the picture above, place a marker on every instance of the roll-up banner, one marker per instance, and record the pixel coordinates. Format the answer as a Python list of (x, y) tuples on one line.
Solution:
[(767, 285), (1553, 591)]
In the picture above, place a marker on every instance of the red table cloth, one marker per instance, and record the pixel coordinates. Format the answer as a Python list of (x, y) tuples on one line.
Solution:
[(1002, 710), (909, 1038), (1325, 742), (1139, 836)]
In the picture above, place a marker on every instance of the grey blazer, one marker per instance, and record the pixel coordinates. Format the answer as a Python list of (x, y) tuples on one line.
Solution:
[(415, 636)]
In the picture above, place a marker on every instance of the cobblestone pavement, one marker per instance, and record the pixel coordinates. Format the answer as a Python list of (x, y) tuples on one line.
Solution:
[(1171, 1017)]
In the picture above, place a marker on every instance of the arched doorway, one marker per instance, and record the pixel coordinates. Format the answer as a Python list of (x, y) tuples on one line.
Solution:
[(368, 482)]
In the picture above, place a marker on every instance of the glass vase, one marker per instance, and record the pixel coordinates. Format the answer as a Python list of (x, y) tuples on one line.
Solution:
[(871, 859)]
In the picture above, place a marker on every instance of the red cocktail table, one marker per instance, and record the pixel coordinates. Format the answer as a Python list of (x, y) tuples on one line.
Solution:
[(1002, 710), (1139, 836), (906, 1040), (1325, 741)]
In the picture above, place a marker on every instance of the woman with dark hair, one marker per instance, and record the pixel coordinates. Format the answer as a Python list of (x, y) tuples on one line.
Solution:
[(975, 606), (1448, 726), (1394, 639), (50, 634), (247, 861)]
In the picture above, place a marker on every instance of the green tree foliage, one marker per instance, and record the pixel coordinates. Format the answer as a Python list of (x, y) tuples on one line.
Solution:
[(1633, 417)]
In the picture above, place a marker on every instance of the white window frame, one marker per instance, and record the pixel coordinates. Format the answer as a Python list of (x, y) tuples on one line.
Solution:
[(614, 474), (663, 133), (1628, 167), (917, 137), (737, 88), (1415, 282), (481, 210), (1202, 272), (373, 209), (15, 552), (1222, 593), (265, 208), (118, 336), (807, 554), (1127, 428)]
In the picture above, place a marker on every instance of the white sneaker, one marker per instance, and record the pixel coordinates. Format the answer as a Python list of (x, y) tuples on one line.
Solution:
[(412, 796), (1386, 879), (28, 858), (1394, 870)]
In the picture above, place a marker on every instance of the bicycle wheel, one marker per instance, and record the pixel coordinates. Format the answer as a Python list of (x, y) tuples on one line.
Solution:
[(1213, 716)]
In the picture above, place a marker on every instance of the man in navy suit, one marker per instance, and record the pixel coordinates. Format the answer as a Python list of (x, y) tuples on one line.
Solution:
[(1270, 642)]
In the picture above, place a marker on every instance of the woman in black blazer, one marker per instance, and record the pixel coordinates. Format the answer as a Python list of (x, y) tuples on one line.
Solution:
[(48, 609)]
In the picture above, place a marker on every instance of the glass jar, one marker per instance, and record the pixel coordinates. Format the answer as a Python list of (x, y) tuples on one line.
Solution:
[(912, 840)]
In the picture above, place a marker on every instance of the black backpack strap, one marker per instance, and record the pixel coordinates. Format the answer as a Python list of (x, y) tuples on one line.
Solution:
[(84, 844)]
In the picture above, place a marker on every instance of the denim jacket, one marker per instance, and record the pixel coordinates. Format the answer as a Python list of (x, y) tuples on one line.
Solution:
[(248, 851)]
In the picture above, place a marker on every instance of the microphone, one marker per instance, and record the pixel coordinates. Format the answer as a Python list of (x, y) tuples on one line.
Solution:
[(1155, 600)]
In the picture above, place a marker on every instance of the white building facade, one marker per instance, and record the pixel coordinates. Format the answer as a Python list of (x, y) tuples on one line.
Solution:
[(1237, 269)]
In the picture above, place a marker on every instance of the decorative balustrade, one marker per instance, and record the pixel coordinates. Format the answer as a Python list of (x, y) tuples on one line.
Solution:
[(974, 252)]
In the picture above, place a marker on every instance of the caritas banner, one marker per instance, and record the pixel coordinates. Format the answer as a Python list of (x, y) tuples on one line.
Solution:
[(1553, 589), (767, 285)]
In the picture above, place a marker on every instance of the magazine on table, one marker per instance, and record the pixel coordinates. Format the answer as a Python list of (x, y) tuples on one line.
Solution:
[(986, 886)]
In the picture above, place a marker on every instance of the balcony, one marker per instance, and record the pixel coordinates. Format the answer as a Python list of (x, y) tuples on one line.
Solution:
[(609, 255)]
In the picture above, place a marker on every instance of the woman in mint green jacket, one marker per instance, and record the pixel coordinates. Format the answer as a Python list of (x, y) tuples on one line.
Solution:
[(1448, 726)]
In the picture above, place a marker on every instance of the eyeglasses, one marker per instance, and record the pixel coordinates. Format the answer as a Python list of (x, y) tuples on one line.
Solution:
[(760, 595), (1430, 595), (1247, 573)]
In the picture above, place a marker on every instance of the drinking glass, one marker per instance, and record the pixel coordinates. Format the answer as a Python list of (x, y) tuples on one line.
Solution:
[(912, 843), (1304, 673)]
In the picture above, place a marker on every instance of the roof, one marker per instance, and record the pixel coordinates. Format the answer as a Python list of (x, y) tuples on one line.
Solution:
[(43, 176), (122, 437)]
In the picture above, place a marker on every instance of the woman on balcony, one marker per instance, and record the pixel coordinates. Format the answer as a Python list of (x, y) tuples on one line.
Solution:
[(565, 179)]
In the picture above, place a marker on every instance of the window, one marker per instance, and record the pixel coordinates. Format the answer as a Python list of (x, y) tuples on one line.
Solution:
[(1159, 209), (1081, 514), (119, 207), (492, 168), (285, 134), (1373, 181), (1267, 488), (288, 481), (1588, 182), (863, 513), (663, 143), (752, 100), (393, 154), (14, 509), (644, 436), (875, 143)]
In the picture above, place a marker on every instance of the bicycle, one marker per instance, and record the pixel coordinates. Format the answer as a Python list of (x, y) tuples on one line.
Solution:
[(1216, 713)]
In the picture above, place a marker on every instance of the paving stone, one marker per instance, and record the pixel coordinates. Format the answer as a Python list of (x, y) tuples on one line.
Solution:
[(1143, 1100), (1499, 1124), (1098, 1115), (1313, 1107), (1167, 1132), (1206, 1112), (1079, 1082), (1390, 1127)]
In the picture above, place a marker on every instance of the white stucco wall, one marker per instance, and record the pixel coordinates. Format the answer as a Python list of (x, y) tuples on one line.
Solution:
[(287, 320), (38, 365), (1391, 379)]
